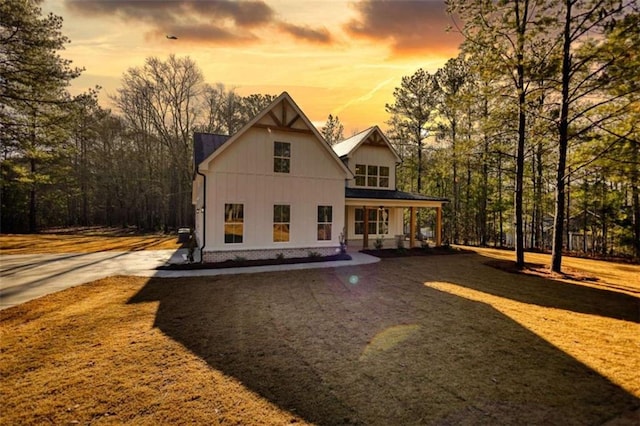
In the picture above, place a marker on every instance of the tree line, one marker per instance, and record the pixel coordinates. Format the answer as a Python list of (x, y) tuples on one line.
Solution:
[(532, 131), (66, 161)]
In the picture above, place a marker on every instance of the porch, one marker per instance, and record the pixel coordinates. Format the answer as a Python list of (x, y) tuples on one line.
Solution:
[(380, 215)]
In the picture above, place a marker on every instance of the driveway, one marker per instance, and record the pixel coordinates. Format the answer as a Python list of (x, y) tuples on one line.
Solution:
[(26, 277)]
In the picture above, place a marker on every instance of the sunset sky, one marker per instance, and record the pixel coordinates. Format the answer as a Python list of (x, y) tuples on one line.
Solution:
[(332, 56)]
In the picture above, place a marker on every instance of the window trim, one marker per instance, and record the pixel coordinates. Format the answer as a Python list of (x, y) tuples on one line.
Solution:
[(281, 223), (363, 177), (279, 159), (324, 225), (378, 222), (233, 222)]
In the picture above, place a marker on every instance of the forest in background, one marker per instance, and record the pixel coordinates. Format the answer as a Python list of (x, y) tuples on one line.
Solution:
[(531, 132)]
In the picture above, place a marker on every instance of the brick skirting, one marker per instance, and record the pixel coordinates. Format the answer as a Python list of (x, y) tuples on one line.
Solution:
[(221, 256)]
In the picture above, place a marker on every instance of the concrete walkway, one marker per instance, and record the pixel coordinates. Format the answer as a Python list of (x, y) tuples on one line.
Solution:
[(26, 277)]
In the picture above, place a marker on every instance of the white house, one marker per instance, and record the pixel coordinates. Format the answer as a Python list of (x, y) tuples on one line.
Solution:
[(276, 187)]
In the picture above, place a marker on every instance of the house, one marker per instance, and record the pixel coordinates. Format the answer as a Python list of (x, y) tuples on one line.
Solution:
[(276, 188)]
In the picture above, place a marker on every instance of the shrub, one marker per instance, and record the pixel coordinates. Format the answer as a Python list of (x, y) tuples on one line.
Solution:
[(313, 254), (379, 243), (280, 256), (343, 242)]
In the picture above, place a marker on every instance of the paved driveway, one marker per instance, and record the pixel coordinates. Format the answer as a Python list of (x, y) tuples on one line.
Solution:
[(26, 277)]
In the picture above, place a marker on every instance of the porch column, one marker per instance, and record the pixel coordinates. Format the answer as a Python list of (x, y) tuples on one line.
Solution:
[(365, 231), (438, 226), (412, 228)]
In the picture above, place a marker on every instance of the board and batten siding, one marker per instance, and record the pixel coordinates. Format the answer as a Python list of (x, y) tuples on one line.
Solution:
[(373, 156), (244, 174)]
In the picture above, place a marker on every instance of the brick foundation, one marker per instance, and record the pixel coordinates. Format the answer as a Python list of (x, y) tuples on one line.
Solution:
[(221, 256)]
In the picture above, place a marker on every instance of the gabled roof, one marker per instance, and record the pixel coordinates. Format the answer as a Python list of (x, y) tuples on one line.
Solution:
[(284, 126), (205, 143), (348, 146)]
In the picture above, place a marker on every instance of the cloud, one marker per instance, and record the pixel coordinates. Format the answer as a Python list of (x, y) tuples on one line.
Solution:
[(320, 36), (412, 27), (218, 21)]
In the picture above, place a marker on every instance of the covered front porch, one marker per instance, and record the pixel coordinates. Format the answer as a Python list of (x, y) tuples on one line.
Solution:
[(378, 216)]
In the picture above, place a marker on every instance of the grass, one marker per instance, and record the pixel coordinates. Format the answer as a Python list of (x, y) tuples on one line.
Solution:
[(415, 340), (84, 241)]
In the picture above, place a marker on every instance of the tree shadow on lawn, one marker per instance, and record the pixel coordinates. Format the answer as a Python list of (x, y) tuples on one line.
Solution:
[(374, 345), (545, 292)]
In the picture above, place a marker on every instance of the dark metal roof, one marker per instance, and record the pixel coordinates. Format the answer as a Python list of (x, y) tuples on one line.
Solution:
[(386, 194), (204, 144)]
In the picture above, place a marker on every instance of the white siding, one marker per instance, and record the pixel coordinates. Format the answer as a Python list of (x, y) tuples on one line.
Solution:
[(243, 173), (373, 156)]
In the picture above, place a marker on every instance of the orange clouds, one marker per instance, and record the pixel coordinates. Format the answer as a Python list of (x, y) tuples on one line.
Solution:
[(212, 22), (412, 27)]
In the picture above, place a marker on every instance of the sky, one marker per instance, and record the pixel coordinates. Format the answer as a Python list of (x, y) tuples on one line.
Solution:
[(332, 56)]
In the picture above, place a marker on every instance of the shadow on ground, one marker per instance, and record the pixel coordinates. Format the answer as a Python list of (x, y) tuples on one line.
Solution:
[(374, 345)]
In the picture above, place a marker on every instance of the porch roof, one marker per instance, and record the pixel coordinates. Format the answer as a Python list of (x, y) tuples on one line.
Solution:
[(355, 196)]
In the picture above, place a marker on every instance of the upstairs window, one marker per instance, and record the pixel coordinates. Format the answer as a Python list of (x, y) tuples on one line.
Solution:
[(325, 219), (281, 157), (361, 175), (233, 223), (384, 177), (281, 222), (372, 176)]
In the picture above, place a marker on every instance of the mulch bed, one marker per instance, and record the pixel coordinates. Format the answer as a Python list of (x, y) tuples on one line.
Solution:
[(254, 262), (416, 251)]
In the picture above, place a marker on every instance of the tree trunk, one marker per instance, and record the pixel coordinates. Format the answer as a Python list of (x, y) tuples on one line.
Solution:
[(522, 128), (456, 195), (33, 228), (500, 217), (563, 141), (539, 243), (520, 168), (635, 196)]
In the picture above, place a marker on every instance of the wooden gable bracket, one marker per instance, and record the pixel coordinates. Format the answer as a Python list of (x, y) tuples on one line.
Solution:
[(275, 119), (376, 140), (293, 120), (282, 124)]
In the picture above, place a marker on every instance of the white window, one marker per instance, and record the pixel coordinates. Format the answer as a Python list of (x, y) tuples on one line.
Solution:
[(281, 222), (378, 221), (233, 223), (372, 176), (361, 175), (325, 220), (281, 157)]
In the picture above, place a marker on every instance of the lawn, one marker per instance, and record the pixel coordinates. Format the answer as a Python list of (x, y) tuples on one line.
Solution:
[(417, 340), (88, 240)]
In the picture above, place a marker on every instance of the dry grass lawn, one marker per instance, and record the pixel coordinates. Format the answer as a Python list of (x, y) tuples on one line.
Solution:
[(425, 340), (83, 243)]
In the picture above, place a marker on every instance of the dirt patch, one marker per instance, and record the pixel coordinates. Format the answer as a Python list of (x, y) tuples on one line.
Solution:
[(415, 340), (540, 270)]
